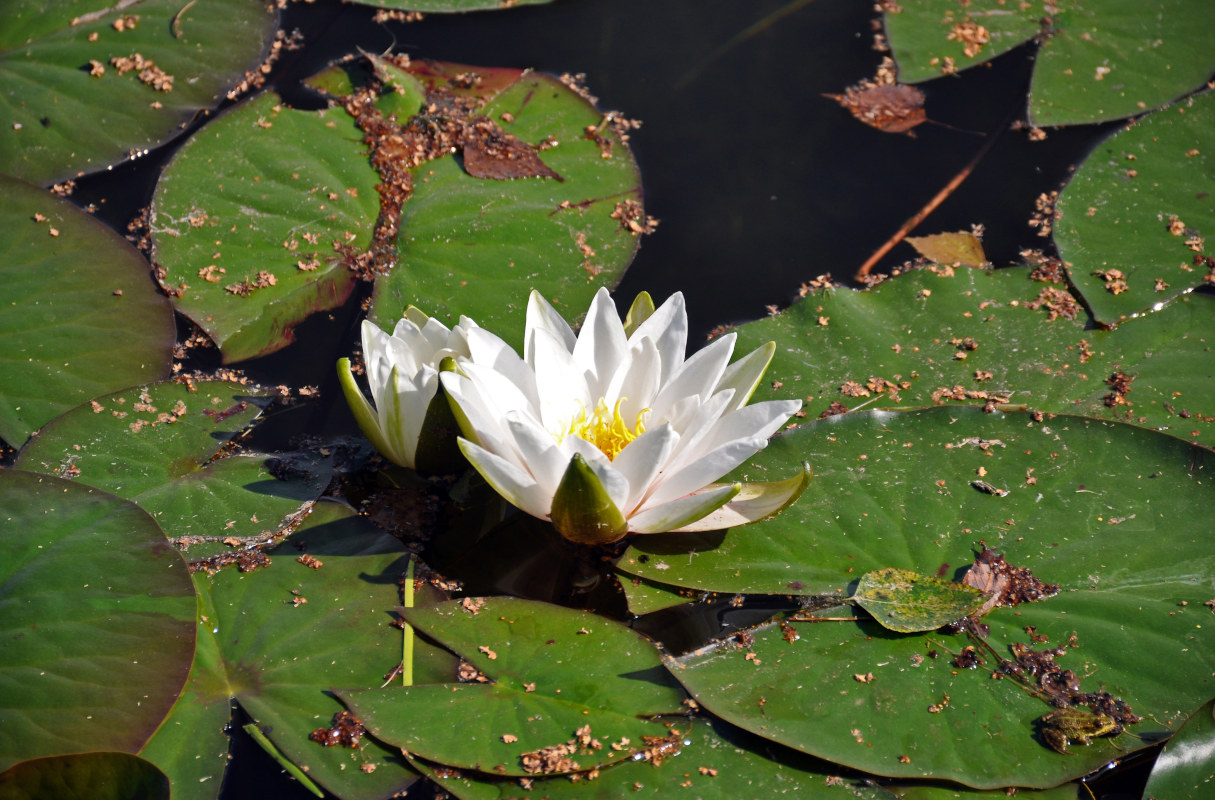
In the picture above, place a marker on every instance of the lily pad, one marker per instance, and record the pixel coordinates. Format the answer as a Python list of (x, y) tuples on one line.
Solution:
[(90, 660), (84, 776), (898, 489), (319, 616), (1098, 60), (79, 316), (945, 335), (267, 215), (477, 247), (1186, 765), (551, 672), (157, 445), (87, 87), (246, 217), (714, 759), (907, 602), (1133, 221)]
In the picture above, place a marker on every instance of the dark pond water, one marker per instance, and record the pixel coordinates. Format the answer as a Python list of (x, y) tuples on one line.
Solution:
[(759, 181)]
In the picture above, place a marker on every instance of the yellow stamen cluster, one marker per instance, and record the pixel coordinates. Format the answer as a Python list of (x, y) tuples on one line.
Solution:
[(606, 429)]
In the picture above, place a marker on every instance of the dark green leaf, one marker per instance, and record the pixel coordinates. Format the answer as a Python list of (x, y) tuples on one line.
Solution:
[(1098, 60), (553, 671), (246, 217), (898, 489), (713, 759), (907, 602), (929, 337), (79, 316), (1186, 766), (288, 633), (156, 445), (97, 614), (67, 109), (477, 247), (84, 776), (1141, 204)]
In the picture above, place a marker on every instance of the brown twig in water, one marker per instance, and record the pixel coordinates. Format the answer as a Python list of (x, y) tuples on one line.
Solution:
[(932, 204)]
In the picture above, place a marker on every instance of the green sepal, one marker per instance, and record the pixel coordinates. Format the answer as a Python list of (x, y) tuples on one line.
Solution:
[(582, 511), (639, 312), (364, 413), (755, 502)]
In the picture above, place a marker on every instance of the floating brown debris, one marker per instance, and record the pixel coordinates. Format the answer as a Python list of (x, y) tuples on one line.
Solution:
[(1005, 585), (892, 108), (346, 731)]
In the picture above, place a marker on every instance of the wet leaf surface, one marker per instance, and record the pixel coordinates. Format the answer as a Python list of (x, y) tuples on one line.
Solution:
[(91, 659), (1097, 61), (468, 245), (714, 759), (1186, 766), (1134, 219), (895, 490), (79, 316), (247, 215), (535, 700), (88, 86), (278, 638), (945, 335), (158, 446), (907, 602), (85, 776)]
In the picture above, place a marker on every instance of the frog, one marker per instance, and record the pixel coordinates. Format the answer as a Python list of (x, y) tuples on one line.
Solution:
[(1075, 726)]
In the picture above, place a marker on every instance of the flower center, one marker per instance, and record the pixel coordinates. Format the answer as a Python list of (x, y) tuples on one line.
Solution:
[(606, 429)]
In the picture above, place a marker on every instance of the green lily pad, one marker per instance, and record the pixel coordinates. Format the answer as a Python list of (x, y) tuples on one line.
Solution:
[(157, 446), (975, 337), (477, 247), (79, 316), (246, 217), (551, 671), (899, 489), (84, 776), (267, 215), (73, 105), (1098, 60), (907, 602), (1186, 765), (646, 597), (1141, 204), (713, 759), (289, 632), (97, 610)]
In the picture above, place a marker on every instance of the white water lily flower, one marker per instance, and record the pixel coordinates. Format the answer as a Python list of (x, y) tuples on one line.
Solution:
[(613, 430), (406, 424)]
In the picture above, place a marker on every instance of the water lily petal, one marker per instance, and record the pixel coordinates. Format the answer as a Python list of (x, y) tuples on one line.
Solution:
[(745, 374), (667, 326), (516, 485), (685, 511), (756, 502), (697, 376), (705, 469), (542, 316), (544, 459), (602, 345), (637, 381), (642, 460)]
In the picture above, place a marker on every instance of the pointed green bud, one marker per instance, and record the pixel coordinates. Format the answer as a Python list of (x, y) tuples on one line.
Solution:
[(639, 312), (582, 510)]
